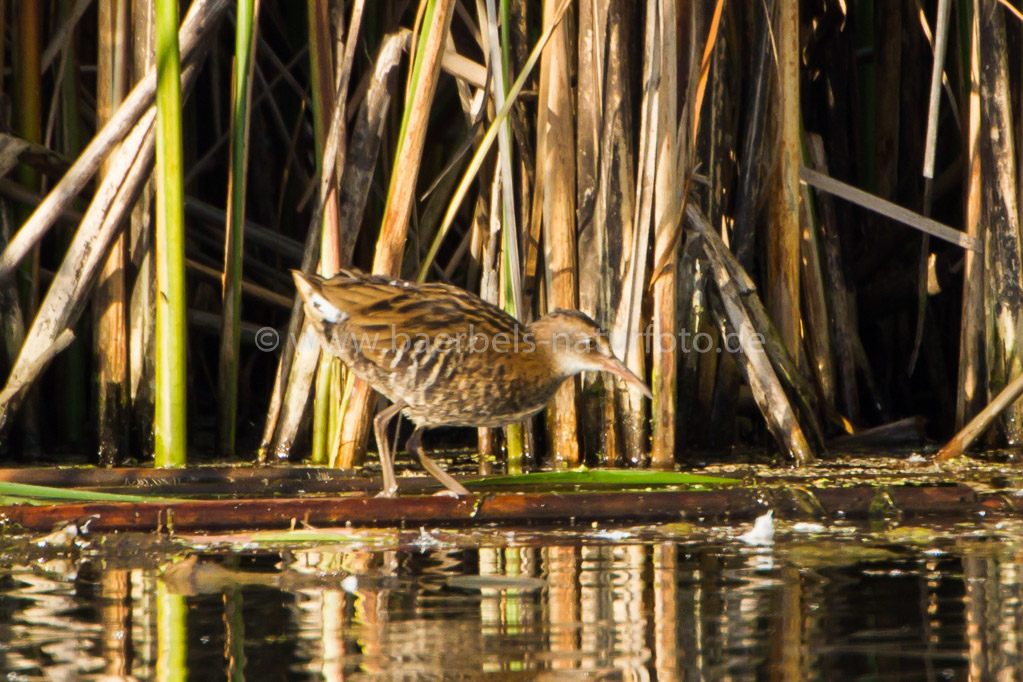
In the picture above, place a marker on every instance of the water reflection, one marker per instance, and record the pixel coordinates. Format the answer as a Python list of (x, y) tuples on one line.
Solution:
[(652, 603)]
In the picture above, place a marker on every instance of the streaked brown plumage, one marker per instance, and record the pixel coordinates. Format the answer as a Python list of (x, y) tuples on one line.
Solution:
[(444, 357)]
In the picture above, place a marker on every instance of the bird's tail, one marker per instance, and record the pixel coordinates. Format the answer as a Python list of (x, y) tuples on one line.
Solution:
[(317, 307)]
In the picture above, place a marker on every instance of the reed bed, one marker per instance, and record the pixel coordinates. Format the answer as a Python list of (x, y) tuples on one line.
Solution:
[(797, 221)]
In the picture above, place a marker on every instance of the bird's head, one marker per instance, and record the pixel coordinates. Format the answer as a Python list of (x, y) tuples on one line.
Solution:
[(577, 344)]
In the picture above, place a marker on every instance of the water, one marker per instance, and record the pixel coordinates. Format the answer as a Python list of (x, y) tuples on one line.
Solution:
[(841, 601)]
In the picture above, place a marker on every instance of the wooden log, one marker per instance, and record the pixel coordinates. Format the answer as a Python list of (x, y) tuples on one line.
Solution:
[(506, 508)]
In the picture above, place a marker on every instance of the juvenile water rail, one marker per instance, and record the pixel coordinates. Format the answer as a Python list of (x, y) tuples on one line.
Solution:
[(445, 357)]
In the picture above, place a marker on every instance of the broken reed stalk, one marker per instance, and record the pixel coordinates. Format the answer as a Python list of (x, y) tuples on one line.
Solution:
[(801, 390), (767, 390), (66, 297), (962, 440), (246, 21), (202, 18), (13, 392), (397, 211), (289, 397), (888, 209)]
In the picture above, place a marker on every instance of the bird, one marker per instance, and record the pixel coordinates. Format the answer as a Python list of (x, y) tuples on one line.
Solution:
[(445, 357)]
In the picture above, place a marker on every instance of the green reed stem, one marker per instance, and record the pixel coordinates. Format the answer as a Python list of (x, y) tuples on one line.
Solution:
[(230, 340), (325, 400), (172, 628), (510, 268), (170, 244)]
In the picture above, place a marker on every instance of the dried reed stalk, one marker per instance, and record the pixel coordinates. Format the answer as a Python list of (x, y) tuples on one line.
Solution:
[(767, 389), (1000, 205), (199, 23), (394, 227), (816, 324), (783, 243), (289, 397), (110, 322), (843, 327), (971, 375), (142, 321), (556, 160), (668, 201), (66, 297), (605, 193)]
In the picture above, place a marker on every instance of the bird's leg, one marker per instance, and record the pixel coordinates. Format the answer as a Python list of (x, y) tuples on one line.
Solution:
[(416, 448), (386, 456)]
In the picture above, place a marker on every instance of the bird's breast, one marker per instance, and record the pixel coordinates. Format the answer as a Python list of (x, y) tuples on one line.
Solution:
[(449, 379)]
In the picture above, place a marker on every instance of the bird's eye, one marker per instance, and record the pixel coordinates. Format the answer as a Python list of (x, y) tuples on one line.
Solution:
[(590, 345)]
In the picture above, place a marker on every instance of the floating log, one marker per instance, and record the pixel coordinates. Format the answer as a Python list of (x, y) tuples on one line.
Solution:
[(727, 505)]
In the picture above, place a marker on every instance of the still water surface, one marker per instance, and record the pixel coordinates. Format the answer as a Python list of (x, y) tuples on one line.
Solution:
[(844, 601)]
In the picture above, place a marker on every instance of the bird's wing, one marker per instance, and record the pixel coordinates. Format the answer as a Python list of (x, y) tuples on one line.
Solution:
[(397, 324)]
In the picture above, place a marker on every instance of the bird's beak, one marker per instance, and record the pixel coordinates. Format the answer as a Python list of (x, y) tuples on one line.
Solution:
[(618, 368)]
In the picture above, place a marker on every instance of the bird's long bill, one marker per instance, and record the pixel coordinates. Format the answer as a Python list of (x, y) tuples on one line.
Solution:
[(618, 368)]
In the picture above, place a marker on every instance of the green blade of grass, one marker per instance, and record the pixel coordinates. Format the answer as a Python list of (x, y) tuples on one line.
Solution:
[(25, 493)]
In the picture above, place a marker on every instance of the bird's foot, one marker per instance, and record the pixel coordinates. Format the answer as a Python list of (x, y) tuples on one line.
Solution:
[(388, 493)]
